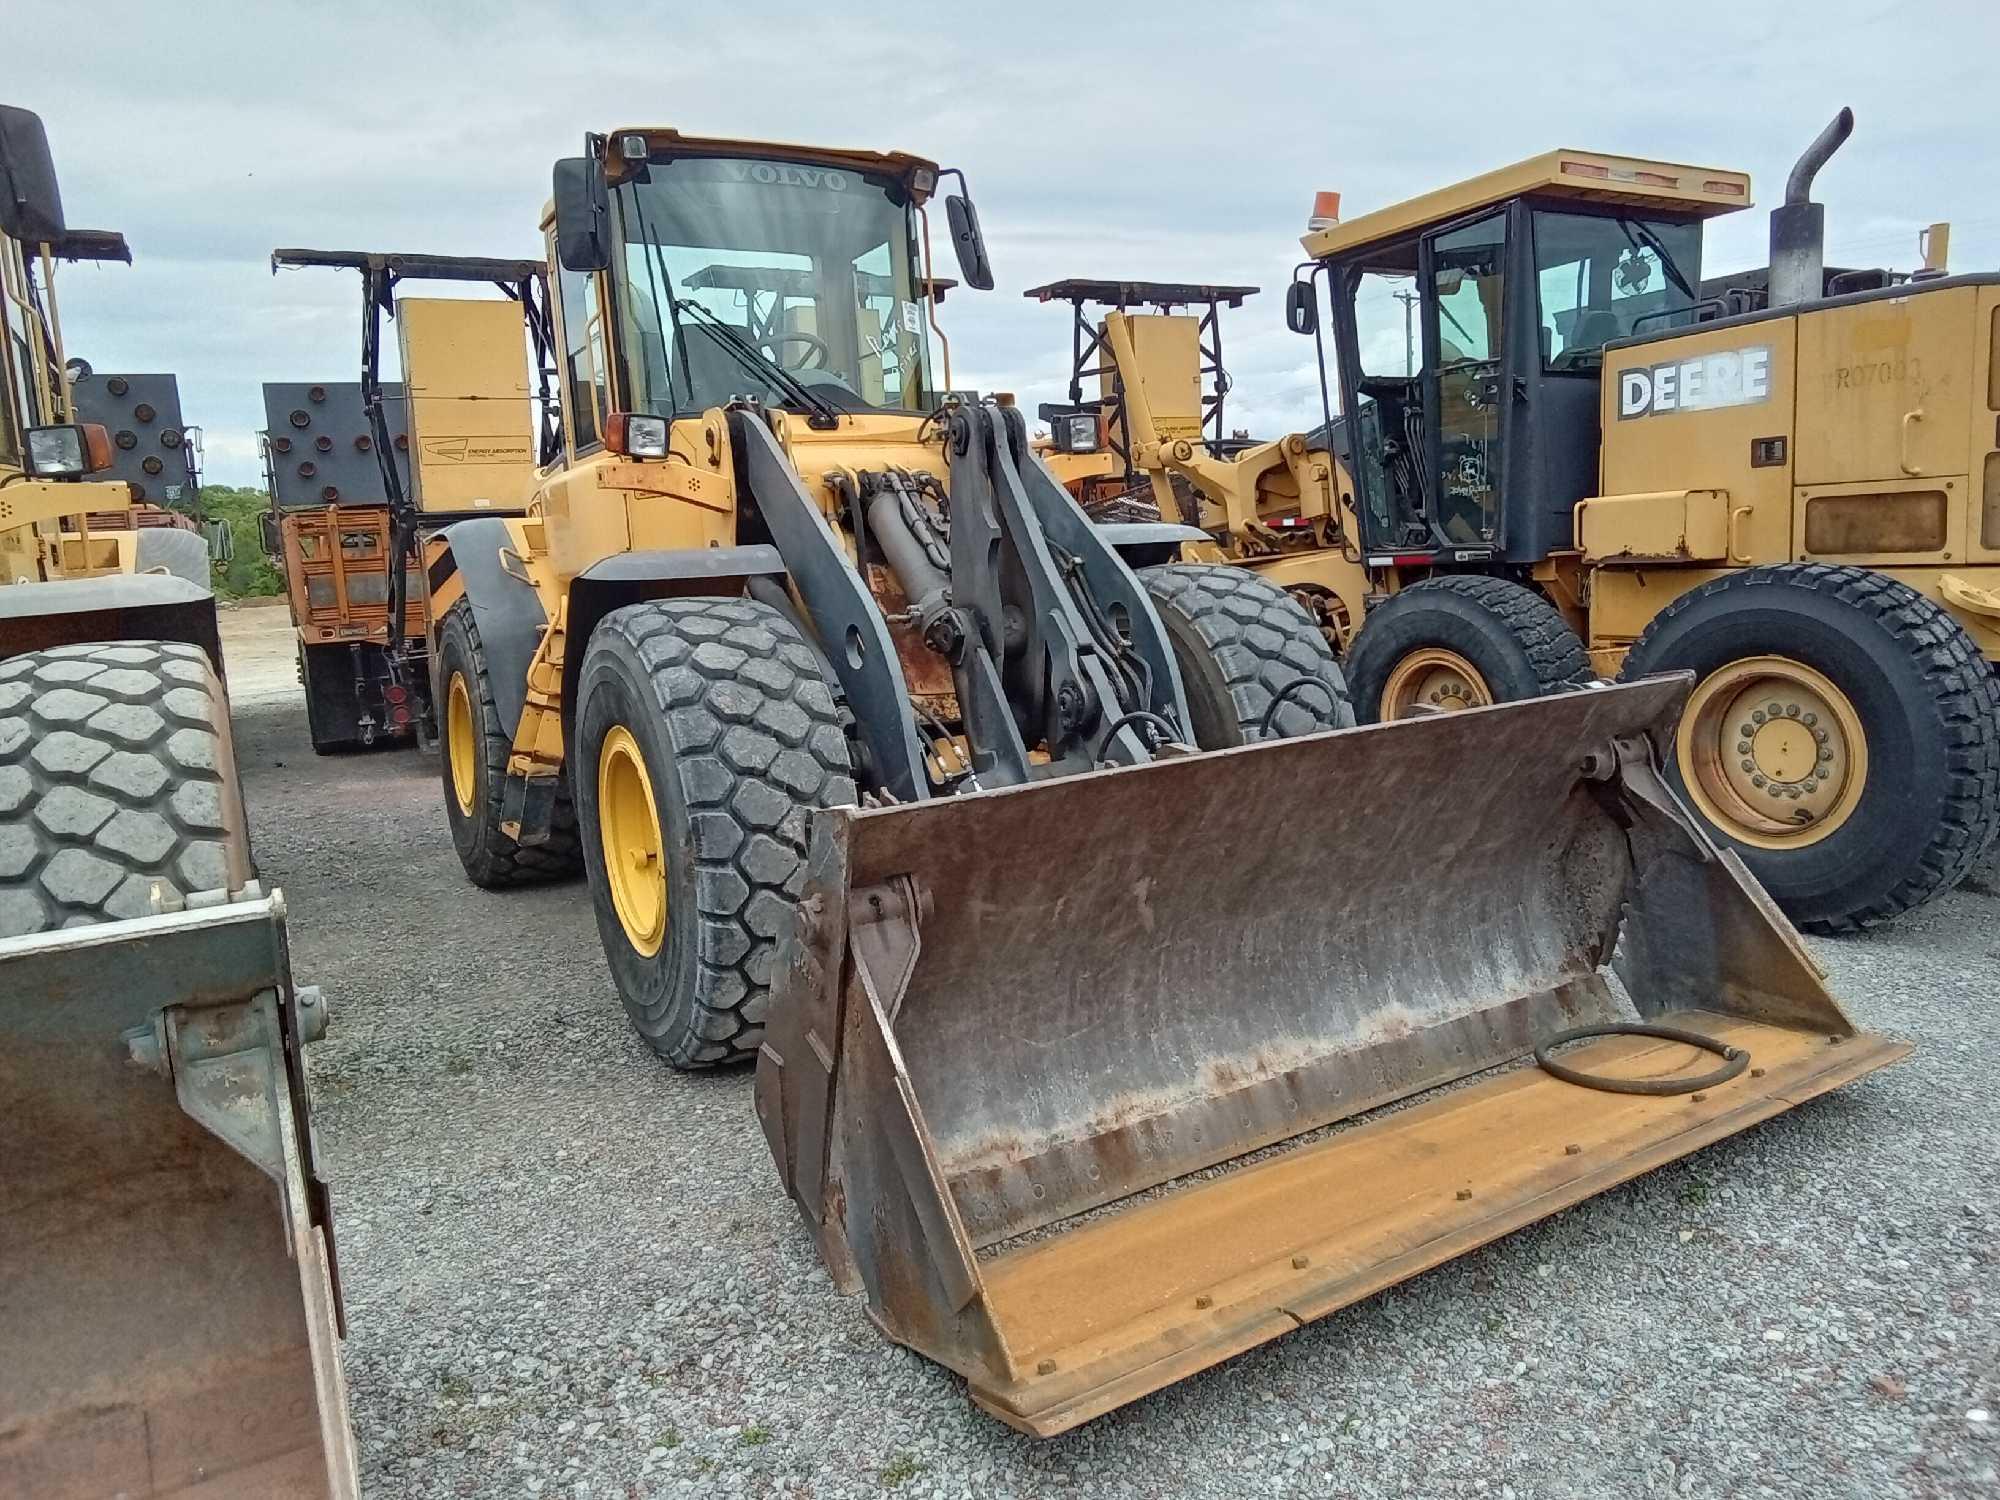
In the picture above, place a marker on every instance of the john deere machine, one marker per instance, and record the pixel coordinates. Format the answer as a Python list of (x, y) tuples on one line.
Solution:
[(1015, 848), (1588, 460), (169, 1313)]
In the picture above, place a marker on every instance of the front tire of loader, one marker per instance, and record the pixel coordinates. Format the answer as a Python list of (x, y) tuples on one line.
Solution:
[(1874, 785), (1459, 642), (1241, 643), (116, 775), (706, 734), (474, 768)]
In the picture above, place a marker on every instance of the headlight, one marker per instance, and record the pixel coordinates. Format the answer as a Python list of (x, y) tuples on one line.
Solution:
[(58, 452), (1082, 437), (636, 435)]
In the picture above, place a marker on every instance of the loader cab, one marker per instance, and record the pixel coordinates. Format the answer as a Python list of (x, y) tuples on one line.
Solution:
[(696, 272), (1469, 328)]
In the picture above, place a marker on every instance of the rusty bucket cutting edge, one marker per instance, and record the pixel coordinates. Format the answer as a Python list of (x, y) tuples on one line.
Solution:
[(1009, 1020)]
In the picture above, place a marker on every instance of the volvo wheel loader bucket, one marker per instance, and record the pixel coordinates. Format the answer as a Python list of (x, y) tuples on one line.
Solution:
[(168, 1313), (1011, 1019)]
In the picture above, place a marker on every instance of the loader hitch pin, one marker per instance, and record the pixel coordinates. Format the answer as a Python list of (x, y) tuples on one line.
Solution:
[(1284, 693), (1735, 1060)]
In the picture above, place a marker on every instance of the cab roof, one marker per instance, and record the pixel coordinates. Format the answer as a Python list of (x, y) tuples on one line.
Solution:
[(664, 138), (1670, 189)]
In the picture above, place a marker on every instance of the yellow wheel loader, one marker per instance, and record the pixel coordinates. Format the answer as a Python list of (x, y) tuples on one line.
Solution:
[(1006, 841), (169, 1312), (1563, 452)]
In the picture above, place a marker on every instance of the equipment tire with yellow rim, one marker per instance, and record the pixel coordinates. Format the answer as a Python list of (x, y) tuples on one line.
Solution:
[(1460, 642), (473, 744), (707, 733), (1842, 735)]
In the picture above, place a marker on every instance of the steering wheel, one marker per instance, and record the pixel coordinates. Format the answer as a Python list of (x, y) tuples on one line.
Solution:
[(816, 356)]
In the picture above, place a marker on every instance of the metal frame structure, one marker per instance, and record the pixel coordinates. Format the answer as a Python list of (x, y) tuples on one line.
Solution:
[(1087, 341), (525, 282)]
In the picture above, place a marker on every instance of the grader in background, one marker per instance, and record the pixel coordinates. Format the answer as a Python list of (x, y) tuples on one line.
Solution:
[(169, 1313), (1003, 839), (1589, 460)]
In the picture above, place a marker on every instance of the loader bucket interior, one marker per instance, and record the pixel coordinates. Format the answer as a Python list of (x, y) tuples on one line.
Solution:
[(1051, 1070), (168, 1323)]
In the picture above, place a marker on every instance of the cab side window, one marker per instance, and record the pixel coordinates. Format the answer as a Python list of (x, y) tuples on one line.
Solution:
[(584, 394)]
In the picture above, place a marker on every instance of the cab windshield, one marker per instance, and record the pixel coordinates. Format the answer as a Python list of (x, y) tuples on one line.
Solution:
[(1603, 277), (730, 267)]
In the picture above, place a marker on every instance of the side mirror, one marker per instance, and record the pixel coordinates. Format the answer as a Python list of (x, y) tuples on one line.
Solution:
[(1301, 308), (267, 530), (583, 202), (968, 242), (221, 541), (30, 206)]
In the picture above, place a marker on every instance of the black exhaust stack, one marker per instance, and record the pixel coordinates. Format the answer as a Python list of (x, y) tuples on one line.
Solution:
[(1798, 225)]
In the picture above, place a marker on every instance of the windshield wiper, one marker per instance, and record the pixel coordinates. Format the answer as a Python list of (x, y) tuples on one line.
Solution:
[(1643, 237), (821, 412)]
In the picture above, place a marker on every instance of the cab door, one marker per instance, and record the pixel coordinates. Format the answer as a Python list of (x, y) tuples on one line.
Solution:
[(1466, 397)]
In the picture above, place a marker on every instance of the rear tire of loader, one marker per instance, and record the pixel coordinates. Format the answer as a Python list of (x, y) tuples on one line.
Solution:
[(116, 774), (706, 735), (1482, 640), (1240, 643), (474, 743), (1906, 720)]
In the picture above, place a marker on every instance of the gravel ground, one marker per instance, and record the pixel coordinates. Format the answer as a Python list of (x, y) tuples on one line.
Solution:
[(570, 1272)]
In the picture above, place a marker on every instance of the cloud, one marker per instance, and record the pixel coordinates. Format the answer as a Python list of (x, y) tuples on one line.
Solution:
[(1162, 140)]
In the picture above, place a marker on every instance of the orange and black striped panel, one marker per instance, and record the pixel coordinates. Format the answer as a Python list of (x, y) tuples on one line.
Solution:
[(441, 576)]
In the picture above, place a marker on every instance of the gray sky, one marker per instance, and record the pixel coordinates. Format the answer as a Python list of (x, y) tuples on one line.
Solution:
[(1162, 140)]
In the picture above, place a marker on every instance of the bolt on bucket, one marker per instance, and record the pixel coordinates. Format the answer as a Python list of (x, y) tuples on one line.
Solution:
[(1026, 1039)]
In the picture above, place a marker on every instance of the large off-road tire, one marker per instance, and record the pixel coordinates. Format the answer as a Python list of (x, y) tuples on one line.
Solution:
[(116, 775), (473, 746), (706, 735), (1459, 642), (1874, 784), (1241, 644)]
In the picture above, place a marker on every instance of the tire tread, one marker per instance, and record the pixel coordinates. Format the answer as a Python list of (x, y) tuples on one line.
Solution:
[(759, 745), (1262, 641), (116, 774)]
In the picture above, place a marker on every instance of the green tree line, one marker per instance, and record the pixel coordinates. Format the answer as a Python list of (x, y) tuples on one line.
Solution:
[(248, 573)]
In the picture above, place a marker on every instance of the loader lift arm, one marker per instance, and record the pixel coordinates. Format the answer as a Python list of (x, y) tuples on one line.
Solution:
[(1051, 640)]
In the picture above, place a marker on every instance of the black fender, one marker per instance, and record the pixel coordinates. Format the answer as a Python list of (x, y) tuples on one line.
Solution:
[(629, 577), (505, 608)]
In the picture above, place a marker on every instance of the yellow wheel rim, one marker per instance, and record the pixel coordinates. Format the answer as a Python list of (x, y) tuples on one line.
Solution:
[(461, 745), (628, 827), (1433, 679), (1772, 752)]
